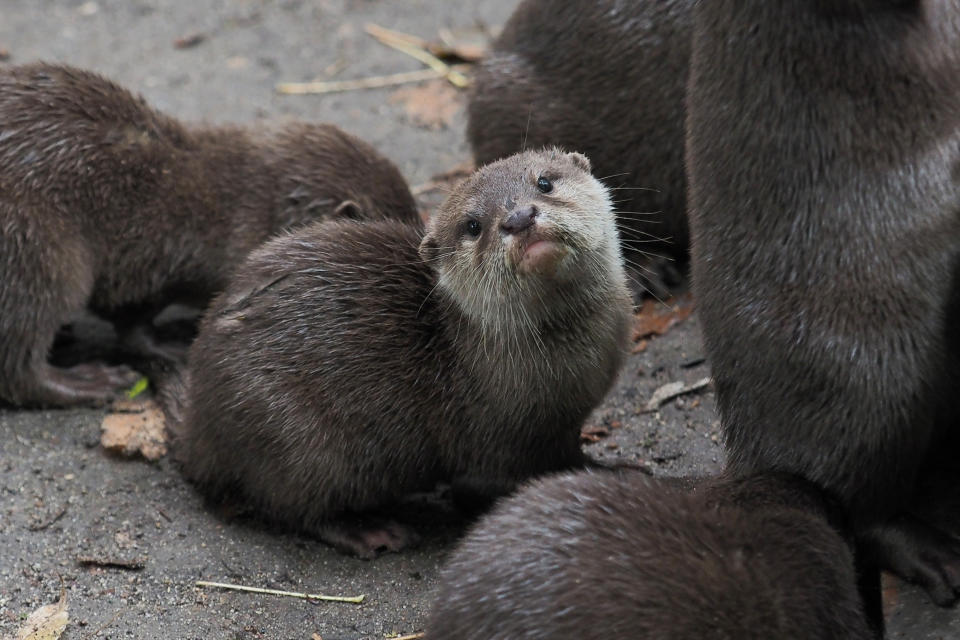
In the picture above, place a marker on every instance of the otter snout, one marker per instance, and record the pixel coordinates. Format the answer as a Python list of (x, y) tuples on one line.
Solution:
[(519, 219)]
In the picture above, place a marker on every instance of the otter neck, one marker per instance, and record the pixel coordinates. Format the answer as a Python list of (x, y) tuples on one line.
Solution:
[(522, 331)]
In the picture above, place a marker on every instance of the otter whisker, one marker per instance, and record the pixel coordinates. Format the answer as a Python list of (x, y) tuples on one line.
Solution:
[(624, 212), (613, 175)]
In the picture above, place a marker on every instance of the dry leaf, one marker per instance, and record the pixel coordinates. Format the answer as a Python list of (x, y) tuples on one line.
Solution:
[(431, 105), (656, 318), (889, 592), (465, 44), (135, 427), (593, 433), (465, 52), (47, 622), (188, 41), (672, 390)]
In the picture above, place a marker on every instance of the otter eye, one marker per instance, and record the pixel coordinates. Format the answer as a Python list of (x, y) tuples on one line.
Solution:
[(544, 185), (473, 227)]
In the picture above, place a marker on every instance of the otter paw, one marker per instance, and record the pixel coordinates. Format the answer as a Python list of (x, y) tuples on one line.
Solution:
[(918, 553), (109, 379), (367, 538), (83, 384)]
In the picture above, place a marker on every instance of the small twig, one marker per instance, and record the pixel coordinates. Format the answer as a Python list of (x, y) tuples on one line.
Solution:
[(162, 514), (112, 620), (372, 82), (383, 34), (135, 564), (412, 636), (277, 592), (402, 43), (44, 525)]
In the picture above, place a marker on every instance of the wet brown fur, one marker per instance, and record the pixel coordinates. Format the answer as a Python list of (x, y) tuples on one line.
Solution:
[(108, 203), (344, 366), (605, 556), (823, 147)]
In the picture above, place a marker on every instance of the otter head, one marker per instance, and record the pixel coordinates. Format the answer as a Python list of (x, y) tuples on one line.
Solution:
[(523, 230)]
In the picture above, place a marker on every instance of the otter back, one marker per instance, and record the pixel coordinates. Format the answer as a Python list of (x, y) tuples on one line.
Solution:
[(606, 78), (107, 203), (616, 557)]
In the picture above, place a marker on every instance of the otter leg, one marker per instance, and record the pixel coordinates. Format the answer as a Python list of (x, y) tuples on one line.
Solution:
[(366, 536), (917, 552), (473, 495), (161, 330), (139, 337), (46, 275), (84, 384)]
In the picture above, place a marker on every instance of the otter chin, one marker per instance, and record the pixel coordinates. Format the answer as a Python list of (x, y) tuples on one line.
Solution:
[(522, 230), (541, 256)]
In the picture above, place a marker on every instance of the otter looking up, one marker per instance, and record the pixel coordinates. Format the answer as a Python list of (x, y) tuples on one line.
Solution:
[(350, 363)]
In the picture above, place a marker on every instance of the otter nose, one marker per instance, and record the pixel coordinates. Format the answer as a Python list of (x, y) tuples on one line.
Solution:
[(519, 219)]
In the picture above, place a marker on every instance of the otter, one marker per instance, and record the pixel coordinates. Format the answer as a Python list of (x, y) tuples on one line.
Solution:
[(613, 556), (349, 364), (825, 253), (608, 78), (110, 205)]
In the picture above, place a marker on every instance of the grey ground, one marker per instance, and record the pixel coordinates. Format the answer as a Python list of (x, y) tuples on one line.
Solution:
[(51, 462)]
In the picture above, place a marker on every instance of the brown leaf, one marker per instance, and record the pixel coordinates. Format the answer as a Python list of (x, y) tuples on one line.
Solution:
[(135, 427), (640, 347), (431, 105), (593, 433), (189, 41), (889, 592), (47, 622), (656, 318)]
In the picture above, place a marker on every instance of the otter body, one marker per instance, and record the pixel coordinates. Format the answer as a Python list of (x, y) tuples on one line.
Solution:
[(626, 556), (107, 203), (604, 77), (825, 253), (349, 364)]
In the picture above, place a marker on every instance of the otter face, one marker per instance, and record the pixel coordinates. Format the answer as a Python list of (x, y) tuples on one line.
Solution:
[(520, 228)]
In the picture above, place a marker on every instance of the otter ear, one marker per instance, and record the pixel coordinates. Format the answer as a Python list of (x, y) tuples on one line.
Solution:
[(429, 250), (349, 209), (580, 160)]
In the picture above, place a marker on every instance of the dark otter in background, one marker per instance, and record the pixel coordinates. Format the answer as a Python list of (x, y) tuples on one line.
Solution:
[(349, 364), (607, 78), (823, 149), (108, 203), (625, 556)]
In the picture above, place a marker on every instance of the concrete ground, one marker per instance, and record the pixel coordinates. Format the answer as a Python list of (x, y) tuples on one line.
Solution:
[(62, 498)]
